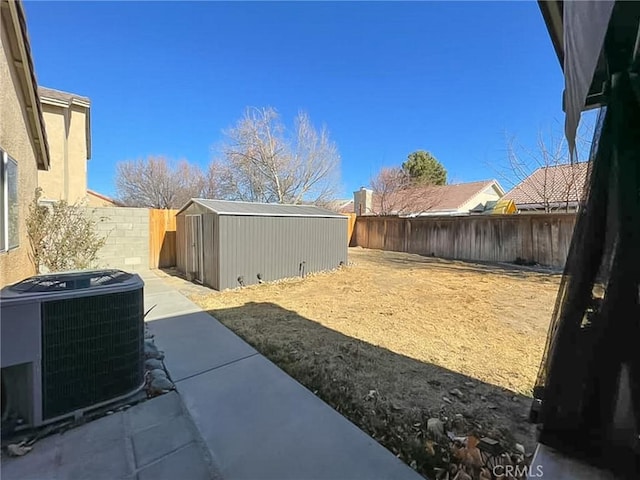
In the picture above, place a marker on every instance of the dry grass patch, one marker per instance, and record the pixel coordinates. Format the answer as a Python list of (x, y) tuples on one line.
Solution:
[(385, 340)]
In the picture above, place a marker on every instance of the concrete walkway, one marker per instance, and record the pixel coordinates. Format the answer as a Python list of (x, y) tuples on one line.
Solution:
[(154, 440), (256, 421)]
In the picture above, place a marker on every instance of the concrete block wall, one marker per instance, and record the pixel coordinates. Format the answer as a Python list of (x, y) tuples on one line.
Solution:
[(127, 232)]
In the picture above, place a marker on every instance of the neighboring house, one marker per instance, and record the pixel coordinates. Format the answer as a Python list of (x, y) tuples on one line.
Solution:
[(23, 143), (340, 206), (454, 199), (348, 207), (67, 118), (95, 199), (495, 207), (549, 189)]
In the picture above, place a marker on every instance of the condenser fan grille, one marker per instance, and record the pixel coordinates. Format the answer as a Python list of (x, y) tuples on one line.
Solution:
[(92, 350), (71, 281)]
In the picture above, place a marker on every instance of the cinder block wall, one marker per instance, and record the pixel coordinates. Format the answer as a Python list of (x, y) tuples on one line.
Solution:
[(127, 231)]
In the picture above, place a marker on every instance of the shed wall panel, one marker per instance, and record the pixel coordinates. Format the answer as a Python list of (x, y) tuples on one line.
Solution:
[(180, 243), (211, 248), (275, 247)]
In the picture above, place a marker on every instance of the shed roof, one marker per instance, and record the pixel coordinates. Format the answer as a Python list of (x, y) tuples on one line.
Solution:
[(228, 207)]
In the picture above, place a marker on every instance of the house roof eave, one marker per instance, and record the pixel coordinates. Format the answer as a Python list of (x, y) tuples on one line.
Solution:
[(24, 64), (66, 100)]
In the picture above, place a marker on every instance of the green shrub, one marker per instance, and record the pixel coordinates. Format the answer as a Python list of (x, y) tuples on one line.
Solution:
[(63, 236)]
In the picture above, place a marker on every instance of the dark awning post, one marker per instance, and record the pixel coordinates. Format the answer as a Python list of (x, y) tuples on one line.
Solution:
[(588, 387)]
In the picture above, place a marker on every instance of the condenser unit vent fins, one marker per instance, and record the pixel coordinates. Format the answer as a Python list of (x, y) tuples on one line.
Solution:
[(92, 350)]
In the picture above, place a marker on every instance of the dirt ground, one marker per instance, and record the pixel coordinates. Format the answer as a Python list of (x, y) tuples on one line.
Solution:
[(387, 340)]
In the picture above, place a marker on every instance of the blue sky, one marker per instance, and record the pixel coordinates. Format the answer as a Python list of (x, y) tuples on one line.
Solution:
[(165, 78)]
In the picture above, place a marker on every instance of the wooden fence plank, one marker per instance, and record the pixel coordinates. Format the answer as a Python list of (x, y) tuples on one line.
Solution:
[(540, 238), (162, 238), (351, 224)]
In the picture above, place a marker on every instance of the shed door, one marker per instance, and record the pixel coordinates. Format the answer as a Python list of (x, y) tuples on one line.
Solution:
[(193, 246)]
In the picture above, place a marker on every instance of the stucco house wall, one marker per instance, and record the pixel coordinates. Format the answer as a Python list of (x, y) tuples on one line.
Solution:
[(66, 117), (21, 137)]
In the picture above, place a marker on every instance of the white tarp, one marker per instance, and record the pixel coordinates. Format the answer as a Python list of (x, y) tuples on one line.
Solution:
[(585, 26)]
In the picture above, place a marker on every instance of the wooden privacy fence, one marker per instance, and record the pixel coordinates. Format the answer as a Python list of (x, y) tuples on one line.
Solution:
[(162, 238), (540, 238), (351, 223)]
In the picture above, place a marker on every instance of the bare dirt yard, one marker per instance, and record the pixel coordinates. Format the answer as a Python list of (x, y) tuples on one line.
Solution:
[(395, 339)]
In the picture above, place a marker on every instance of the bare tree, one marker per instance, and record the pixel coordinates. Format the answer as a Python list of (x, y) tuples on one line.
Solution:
[(159, 183), (544, 175), (396, 193), (262, 161)]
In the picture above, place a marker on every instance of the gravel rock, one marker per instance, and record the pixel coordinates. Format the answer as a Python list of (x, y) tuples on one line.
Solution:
[(456, 392), (161, 385), (157, 354), (446, 400), (158, 373), (152, 364), (435, 428)]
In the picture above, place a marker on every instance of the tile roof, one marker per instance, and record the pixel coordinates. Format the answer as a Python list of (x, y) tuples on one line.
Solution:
[(549, 186), (227, 207), (428, 199)]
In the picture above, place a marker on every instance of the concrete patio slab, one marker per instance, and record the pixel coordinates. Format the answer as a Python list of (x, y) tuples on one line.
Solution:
[(104, 448), (251, 407), (164, 408), (42, 460), (184, 464), (256, 421), (168, 304), (195, 343), (108, 462), (93, 435), (153, 443)]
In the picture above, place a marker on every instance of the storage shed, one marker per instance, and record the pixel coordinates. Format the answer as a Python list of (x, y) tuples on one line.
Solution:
[(225, 244)]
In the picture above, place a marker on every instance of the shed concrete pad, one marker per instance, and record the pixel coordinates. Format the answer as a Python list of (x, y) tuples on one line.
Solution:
[(260, 423), (195, 343)]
